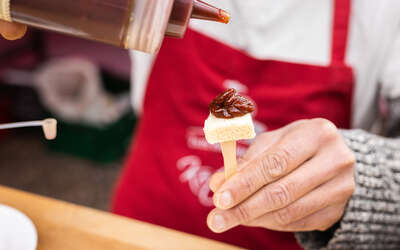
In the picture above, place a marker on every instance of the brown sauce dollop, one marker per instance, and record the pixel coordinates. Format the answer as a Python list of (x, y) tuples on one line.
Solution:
[(230, 105)]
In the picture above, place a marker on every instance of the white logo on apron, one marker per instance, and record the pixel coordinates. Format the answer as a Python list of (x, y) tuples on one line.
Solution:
[(198, 177)]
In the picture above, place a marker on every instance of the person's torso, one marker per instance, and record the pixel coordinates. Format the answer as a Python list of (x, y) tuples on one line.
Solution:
[(166, 177), (300, 32)]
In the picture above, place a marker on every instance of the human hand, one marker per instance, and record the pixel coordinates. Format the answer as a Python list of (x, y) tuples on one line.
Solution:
[(298, 178), (12, 31)]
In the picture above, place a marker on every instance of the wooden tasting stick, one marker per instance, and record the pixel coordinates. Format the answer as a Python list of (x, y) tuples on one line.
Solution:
[(49, 127), (229, 154)]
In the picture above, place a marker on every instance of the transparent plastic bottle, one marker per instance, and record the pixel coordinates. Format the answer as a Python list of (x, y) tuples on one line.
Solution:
[(131, 24)]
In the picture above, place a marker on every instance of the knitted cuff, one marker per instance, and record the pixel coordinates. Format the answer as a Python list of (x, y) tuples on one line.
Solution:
[(372, 218)]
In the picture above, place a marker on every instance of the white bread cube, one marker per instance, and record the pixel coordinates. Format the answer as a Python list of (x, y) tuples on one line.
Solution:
[(219, 130)]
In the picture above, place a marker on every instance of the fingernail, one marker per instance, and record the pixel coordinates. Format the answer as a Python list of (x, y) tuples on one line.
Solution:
[(218, 222), (224, 199)]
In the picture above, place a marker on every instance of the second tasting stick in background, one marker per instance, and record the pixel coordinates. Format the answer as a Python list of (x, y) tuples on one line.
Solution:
[(229, 121)]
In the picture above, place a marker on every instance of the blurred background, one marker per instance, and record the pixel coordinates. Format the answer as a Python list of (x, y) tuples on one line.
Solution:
[(85, 86)]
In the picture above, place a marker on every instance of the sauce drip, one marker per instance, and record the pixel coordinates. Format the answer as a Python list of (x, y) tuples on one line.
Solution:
[(230, 104), (184, 10), (205, 11)]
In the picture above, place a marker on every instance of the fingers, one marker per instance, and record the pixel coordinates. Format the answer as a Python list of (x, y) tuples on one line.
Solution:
[(333, 194), (280, 203), (12, 31), (292, 150), (321, 220), (260, 144), (301, 182)]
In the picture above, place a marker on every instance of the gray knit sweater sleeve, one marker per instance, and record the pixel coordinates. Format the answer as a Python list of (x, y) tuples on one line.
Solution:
[(372, 217)]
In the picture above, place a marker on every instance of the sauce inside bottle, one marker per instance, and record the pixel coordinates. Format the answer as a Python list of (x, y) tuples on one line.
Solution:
[(132, 24), (102, 20)]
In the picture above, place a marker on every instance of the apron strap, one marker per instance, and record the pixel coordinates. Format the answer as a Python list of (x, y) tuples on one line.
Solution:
[(341, 22)]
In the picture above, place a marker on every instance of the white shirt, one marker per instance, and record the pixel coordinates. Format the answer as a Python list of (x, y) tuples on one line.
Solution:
[(300, 31)]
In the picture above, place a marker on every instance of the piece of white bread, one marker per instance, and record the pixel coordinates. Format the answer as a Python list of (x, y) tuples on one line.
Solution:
[(219, 130)]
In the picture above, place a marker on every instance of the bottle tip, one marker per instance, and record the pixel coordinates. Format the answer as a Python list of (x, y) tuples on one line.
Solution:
[(205, 11), (224, 17)]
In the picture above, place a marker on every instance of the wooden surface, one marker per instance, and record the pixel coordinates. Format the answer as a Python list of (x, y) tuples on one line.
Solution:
[(64, 226)]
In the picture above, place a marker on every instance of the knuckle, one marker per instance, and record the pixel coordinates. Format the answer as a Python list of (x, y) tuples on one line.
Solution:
[(350, 158), (328, 130), (343, 192), (336, 214), (274, 165), (296, 124), (283, 217), (351, 187), (248, 184), (278, 196), (243, 214), (344, 158)]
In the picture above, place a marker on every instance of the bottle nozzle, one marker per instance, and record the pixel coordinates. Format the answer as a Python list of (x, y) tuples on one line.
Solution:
[(205, 11), (183, 10)]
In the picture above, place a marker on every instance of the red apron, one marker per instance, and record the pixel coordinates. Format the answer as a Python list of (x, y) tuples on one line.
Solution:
[(165, 180)]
